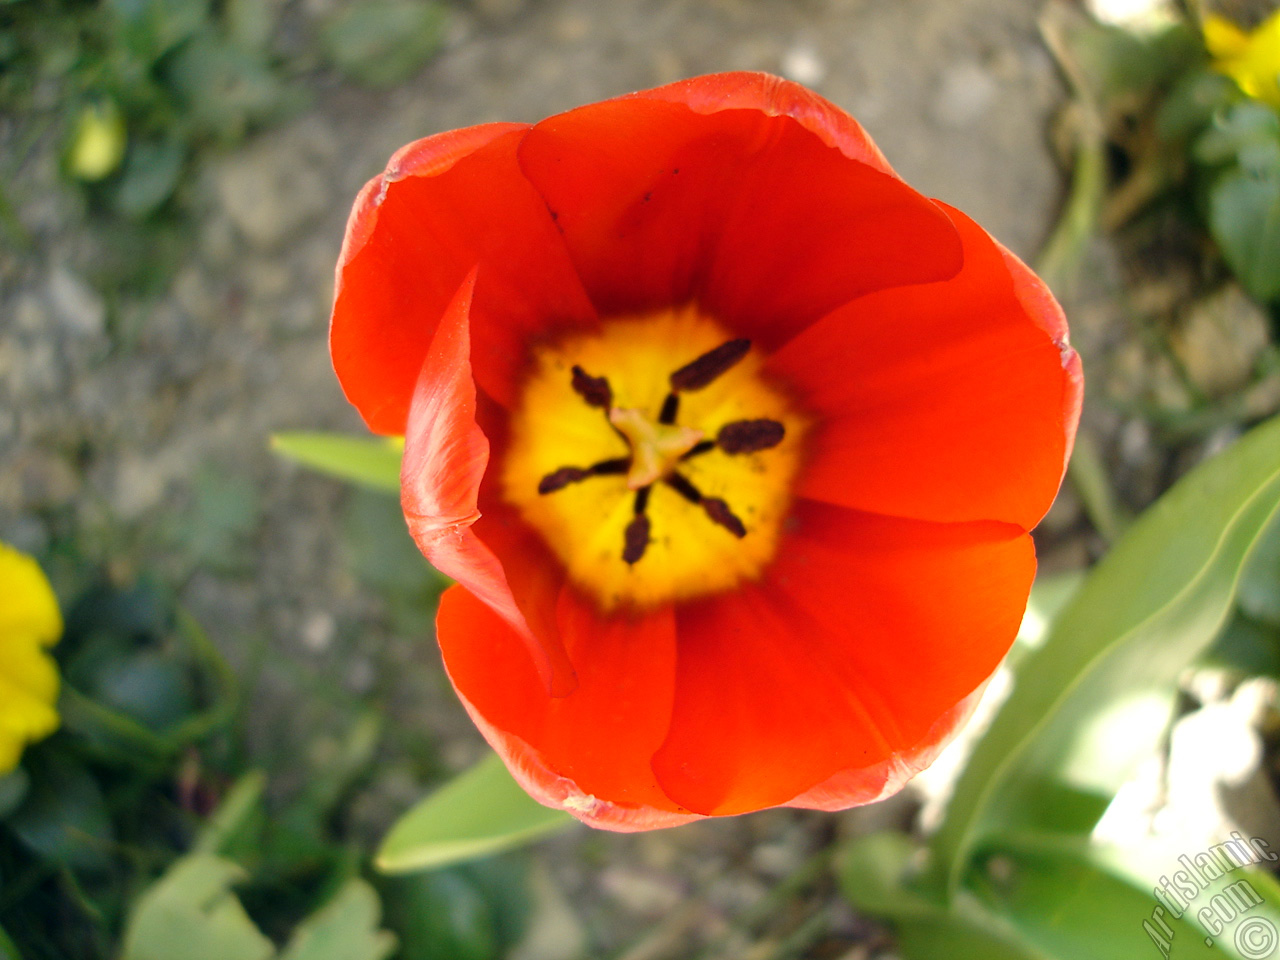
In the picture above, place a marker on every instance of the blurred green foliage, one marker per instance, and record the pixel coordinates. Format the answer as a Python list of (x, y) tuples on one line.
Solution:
[(138, 85), (136, 832), (1187, 134), (138, 92)]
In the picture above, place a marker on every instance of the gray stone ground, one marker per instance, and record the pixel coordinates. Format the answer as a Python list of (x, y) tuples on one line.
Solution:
[(108, 423)]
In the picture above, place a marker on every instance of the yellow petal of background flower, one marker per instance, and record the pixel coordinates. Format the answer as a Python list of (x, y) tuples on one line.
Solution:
[(1251, 59), (27, 603), (29, 622), (1223, 38)]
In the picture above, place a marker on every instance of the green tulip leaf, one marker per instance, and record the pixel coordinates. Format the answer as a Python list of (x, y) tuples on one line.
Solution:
[(367, 461), (345, 928), (875, 872), (480, 812), (1097, 696), (1067, 901)]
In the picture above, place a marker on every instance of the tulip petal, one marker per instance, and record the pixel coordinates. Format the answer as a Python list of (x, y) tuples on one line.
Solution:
[(775, 97), (851, 788), (752, 214), (443, 205), (445, 457), (587, 753), (952, 401), (824, 683)]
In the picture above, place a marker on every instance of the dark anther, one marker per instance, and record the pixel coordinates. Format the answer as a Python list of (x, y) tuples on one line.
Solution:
[(595, 390), (748, 436), (720, 513), (636, 539), (670, 407), (566, 475), (702, 371), (642, 500), (701, 447)]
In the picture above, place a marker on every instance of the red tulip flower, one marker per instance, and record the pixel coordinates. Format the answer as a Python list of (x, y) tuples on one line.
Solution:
[(731, 440)]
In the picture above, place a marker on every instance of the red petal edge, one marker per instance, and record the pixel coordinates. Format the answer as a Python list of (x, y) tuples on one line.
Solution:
[(477, 650), (855, 788), (1038, 300), (428, 157), (776, 97), (444, 205), (445, 457)]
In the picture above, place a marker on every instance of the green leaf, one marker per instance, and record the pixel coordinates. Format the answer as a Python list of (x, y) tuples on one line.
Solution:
[(1192, 103), (1150, 863), (1260, 582), (1064, 904), (1244, 126), (1093, 485), (191, 914), (151, 687), (1049, 594), (345, 928), (234, 815), (151, 173), (382, 42), (8, 950), (1045, 897), (1096, 698), (875, 873), (1244, 217), (480, 812), (13, 788), (1115, 62), (64, 816), (151, 28), (443, 915), (224, 87), (1247, 648), (368, 461)]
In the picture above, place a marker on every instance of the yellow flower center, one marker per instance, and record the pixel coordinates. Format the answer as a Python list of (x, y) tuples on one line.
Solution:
[(654, 457)]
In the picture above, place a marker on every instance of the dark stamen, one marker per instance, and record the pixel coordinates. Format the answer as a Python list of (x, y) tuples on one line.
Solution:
[(642, 500), (566, 475), (670, 407), (616, 465), (561, 479), (702, 371), (720, 513), (716, 509), (595, 390), (749, 436), (701, 447), (682, 486), (636, 539)]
